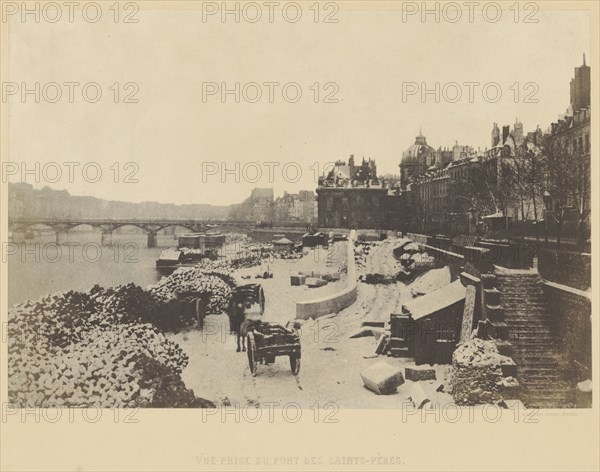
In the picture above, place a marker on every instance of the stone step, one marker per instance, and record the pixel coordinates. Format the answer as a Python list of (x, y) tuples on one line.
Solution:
[(518, 314), (528, 302), (521, 313), (538, 349), (500, 276), (535, 368), (542, 373), (527, 340), (533, 345), (546, 393), (529, 328), (518, 285), (506, 301), (524, 326), (527, 333), (527, 321), (517, 282), (508, 304), (530, 391), (527, 337), (525, 301), (536, 352), (537, 355)]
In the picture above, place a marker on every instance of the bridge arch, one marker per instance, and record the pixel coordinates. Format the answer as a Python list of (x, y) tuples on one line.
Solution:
[(141, 226)]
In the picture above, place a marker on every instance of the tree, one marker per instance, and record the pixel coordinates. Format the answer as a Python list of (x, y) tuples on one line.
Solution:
[(527, 178), (568, 182)]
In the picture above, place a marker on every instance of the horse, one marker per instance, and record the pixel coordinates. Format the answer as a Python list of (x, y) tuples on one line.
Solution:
[(240, 301), (237, 315)]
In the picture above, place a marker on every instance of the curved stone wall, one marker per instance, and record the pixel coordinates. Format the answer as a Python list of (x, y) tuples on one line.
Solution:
[(338, 301)]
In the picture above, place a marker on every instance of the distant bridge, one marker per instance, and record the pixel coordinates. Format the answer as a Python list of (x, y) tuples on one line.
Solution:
[(61, 226)]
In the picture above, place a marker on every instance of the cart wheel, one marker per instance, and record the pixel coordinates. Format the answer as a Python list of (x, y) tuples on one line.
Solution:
[(295, 364), (251, 353)]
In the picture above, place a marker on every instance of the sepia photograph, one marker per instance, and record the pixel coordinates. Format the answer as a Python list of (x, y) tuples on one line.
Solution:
[(303, 235)]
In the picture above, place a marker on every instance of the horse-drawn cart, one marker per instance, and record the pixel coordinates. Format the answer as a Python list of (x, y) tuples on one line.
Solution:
[(266, 341)]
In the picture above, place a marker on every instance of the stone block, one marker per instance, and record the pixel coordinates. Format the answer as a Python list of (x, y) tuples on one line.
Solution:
[(488, 280), (368, 331), (378, 332), (505, 347), (494, 312), (499, 330), (361, 333), (297, 280), (509, 369), (399, 352), (583, 394), (492, 296), (417, 374), (469, 279), (468, 313), (509, 386), (483, 327), (375, 324), (315, 282), (382, 378), (382, 344)]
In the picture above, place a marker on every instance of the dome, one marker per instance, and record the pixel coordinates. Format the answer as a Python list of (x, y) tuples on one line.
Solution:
[(417, 151)]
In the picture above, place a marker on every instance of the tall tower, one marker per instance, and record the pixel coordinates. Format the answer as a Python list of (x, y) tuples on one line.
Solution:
[(495, 135), (518, 132), (580, 87), (351, 166)]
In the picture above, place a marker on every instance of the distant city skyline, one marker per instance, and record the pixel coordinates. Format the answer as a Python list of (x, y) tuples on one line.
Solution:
[(59, 189)]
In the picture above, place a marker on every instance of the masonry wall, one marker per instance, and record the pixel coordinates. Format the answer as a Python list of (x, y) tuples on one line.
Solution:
[(573, 269), (338, 301), (567, 277)]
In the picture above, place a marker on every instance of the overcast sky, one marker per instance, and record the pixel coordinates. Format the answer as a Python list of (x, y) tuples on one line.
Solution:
[(172, 133)]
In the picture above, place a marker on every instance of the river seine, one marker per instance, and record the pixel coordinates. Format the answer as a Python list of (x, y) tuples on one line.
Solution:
[(39, 266)]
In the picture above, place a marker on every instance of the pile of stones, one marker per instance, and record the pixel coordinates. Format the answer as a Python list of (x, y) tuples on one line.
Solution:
[(479, 373), (195, 279), (69, 349)]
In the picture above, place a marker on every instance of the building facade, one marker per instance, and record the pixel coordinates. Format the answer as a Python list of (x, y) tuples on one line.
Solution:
[(352, 196), (351, 207)]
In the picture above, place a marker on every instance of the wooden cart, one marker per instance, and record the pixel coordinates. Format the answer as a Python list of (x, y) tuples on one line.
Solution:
[(266, 341)]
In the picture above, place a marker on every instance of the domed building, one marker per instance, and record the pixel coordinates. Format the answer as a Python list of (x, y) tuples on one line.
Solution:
[(415, 160)]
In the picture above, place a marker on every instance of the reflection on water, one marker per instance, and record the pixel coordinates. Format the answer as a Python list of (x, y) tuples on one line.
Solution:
[(39, 266)]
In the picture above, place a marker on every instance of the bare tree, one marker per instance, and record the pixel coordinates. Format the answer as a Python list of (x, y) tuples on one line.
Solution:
[(568, 182), (527, 178)]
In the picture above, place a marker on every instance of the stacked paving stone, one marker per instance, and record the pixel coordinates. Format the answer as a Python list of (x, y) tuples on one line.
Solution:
[(72, 349), (194, 279)]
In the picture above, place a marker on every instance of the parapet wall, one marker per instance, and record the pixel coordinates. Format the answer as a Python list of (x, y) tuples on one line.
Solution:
[(573, 269), (338, 301), (566, 278)]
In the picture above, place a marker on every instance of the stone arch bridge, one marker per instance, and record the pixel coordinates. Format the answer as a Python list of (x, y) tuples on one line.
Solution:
[(151, 226)]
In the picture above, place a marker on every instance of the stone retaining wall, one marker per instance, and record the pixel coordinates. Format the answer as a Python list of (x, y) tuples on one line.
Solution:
[(567, 268), (338, 301), (572, 325)]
